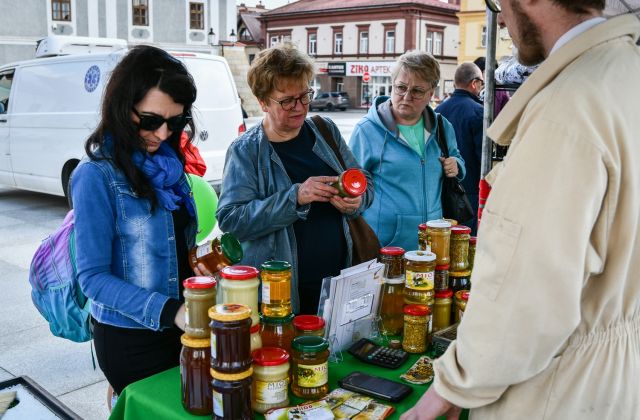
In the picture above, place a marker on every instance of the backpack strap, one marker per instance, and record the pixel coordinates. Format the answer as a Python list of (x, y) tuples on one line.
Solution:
[(328, 137)]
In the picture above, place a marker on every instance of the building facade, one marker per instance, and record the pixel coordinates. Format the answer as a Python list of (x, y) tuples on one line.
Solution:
[(170, 24), (355, 43), (473, 33)]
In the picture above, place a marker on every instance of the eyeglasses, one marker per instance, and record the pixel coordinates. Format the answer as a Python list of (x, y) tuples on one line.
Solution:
[(288, 104), (151, 122), (416, 92), (493, 5), (479, 80)]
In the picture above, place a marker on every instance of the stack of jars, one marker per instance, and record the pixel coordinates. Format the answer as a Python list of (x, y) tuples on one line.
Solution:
[(392, 299), (460, 269), (199, 296), (419, 289), (276, 317), (231, 361)]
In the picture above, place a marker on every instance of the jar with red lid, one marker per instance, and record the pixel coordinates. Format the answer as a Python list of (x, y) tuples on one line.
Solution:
[(239, 284), (441, 277), (308, 325), (217, 253), (195, 377), (199, 295), (461, 299), (230, 337), (423, 239), (392, 297), (459, 248), (277, 332), (442, 309), (351, 183), (416, 324), (270, 379), (471, 256)]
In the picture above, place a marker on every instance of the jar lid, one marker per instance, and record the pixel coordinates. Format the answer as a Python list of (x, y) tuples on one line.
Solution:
[(231, 376), (395, 343), (354, 182), (308, 322), (462, 295), (199, 282), (423, 256), (276, 320), (422, 226), (392, 250), (229, 312), (473, 239), (270, 356), (453, 222), (310, 344), (196, 343), (415, 309), (239, 272), (460, 230), (274, 265), (255, 328), (442, 267), (439, 223), (231, 248), (443, 294), (463, 273)]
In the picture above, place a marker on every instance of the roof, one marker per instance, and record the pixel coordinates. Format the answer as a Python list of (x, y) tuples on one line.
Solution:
[(334, 5), (253, 24)]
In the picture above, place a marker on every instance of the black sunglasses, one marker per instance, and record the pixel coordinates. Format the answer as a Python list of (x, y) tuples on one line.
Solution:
[(151, 122), (493, 5)]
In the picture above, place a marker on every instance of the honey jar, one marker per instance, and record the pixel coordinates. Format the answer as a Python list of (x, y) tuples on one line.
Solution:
[(459, 248), (239, 284), (439, 234), (199, 295), (216, 253), (276, 288), (310, 367), (419, 277)]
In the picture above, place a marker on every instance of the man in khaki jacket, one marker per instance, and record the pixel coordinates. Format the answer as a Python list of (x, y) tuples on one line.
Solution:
[(552, 327)]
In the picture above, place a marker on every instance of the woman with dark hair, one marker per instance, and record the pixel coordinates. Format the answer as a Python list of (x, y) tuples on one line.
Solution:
[(135, 216)]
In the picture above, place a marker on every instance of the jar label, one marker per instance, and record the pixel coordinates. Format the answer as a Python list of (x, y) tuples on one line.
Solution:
[(218, 409), (266, 295), (419, 280), (205, 249), (272, 392), (214, 352), (311, 376)]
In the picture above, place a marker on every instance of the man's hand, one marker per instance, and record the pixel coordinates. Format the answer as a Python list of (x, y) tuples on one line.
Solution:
[(430, 406), (316, 188)]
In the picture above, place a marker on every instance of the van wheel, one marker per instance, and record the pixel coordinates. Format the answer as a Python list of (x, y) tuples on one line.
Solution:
[(66, 177), (329, 107)]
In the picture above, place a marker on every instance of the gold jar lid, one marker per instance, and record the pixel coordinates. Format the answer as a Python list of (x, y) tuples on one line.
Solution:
[(231, 376), (196, 343), (229, 312), (463, 273)]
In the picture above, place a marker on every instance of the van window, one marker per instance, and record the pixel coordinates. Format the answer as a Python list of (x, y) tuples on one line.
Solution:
[(5, 89), (215, 87)]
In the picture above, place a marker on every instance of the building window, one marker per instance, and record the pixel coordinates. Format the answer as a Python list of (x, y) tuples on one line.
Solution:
[(273, 41), (390, 42), (483, 37), (434, 42), (313, 44), (141, 12), (61, 10), (363, 47), (196, 15), (244, 35), (337, 43)]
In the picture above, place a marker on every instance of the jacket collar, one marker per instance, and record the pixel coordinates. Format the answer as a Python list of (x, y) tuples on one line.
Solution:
[(504, 127), (467, 94), (386, 117)]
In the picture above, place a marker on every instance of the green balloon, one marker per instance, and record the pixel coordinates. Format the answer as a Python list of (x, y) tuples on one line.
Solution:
[(206, 205)]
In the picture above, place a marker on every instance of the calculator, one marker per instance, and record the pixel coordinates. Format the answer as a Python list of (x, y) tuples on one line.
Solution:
[(370, 352)]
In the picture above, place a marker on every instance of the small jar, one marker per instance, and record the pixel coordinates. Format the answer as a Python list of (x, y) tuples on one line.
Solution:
[(459, 280), (277, 332), (392, 297), (439, 233), (419, 276), (310, 367), (256, 339), (351, 183), (195, 378), (217, 253), (232, 395), (459, 249), (471, 256), (461, 299), (270, 387), (230, 337), (442, 309), (416, 321), (240, 284), (392, 258), (199, 295), (423, 239), (308, 325), (441, 277), (276, 288)]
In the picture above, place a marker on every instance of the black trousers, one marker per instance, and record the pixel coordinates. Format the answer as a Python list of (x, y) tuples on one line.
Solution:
[(127, 355)]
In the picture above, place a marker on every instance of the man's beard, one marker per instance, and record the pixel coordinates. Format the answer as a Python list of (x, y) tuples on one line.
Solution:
[(530, 48)]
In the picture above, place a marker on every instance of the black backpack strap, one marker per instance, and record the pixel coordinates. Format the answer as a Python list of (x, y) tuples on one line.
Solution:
[(328, 137)]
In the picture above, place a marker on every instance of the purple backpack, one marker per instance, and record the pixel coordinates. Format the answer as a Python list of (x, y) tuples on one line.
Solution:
[(55, 288)]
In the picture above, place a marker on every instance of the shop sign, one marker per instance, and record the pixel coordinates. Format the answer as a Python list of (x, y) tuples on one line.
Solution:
[(374, 68), (336, 69)]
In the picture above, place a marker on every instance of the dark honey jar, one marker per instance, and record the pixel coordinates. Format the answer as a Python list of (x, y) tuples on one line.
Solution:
[(195, 378), (230, 337)]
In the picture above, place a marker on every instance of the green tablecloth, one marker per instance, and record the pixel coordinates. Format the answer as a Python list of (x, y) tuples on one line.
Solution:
[(158, 397)]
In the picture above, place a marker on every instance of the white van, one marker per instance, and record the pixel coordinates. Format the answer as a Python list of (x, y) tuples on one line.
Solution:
[(49, 106)]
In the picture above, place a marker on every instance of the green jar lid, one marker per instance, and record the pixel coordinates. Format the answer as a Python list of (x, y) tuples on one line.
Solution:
[(310, 344), (274, 265), (279, 320), (231, 248)]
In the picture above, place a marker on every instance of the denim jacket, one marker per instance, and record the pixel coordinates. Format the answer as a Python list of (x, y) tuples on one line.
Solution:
[(259, 204), (125, 252)]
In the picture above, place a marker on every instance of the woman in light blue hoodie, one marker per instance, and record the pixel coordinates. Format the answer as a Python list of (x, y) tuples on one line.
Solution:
[(397, 143)]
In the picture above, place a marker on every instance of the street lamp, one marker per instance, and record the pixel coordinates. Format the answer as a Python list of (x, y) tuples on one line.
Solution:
[(211, 37)]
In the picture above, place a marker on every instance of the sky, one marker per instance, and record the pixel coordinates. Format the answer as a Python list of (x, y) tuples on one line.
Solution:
[(269, 4)]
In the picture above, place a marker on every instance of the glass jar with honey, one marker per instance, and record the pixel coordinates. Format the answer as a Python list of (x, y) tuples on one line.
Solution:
[(459, 280), (232, 395), (276, 288), (310, 367), (461, 300), (392, 297), (277, 332), (441, 279), (415, 335), (270, 388), (439, 234), (199, 295), (442, 309), (195, 377), (230, 337), (308, 325), (216, 253), (459, 249), (351, 183), (239, 284), (419, 276)]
